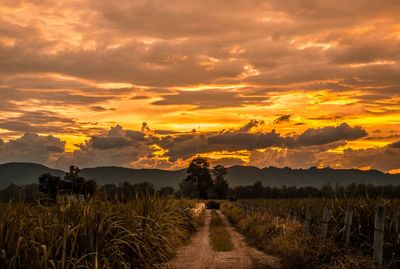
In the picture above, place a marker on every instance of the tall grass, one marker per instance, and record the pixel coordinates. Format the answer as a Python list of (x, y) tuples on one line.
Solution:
[(270, 225), (96, 234)]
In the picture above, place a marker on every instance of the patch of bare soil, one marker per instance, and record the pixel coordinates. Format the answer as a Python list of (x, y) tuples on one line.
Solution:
[(198, 254)]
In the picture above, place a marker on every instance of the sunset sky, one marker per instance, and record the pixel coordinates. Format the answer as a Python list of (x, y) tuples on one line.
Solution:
[(146, 83)]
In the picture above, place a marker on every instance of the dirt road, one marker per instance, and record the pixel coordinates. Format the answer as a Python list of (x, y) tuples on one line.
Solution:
[(198, 254)]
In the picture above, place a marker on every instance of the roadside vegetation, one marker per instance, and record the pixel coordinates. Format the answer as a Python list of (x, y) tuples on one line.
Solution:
[(219, 236), (96, 234), (277, 228)]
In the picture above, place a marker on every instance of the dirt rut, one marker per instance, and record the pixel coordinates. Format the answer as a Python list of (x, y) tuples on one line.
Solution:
[(198, 254)]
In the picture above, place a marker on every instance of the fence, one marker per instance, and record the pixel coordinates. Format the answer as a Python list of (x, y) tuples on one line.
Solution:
[(307, 218)]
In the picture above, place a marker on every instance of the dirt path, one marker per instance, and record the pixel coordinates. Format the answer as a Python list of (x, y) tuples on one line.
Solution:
[(199, 254)]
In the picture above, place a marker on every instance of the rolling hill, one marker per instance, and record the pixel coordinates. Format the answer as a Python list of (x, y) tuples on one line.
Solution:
[(26, 173)]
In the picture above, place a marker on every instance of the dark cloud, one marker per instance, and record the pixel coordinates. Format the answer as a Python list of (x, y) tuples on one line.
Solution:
[(380, 158), (227, 161), (40, 121), (395, 145), (210, 98), (321, 136), (282, 119), (32, 148), (110, 142), (118, 147), (184, 146), (251, 124), (98, 108), (330, 134), (241, 140)]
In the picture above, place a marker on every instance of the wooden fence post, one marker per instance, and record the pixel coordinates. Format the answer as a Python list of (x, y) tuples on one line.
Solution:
[(325, 221), (307, 221), (378, 236), (296, 214), (347, 224)]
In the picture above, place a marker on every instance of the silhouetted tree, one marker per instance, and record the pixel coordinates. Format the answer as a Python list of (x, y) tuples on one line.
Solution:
[(12, 193), (188, 188), (221, 186), (73, 182), (144, 188), (50, 185), (110, 191), (90, 188), (166, 191), (199, 181)]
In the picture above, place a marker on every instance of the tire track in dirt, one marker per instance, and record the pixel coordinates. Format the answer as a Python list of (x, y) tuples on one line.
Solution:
[(198, 254)]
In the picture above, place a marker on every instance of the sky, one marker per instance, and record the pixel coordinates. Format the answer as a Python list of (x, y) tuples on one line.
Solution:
[(152, 84)]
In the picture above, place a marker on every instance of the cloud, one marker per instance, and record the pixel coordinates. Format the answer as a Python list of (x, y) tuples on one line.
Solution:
[(395, 145), (250, 125), (130, 148), (32, 148), (184, 146), (40, 121), (98, 108), (210, 98), (118, 147), (184, 63), (241, 140), (282, 119), (330, 134), (380, 158), (310, 137), (227, 161)]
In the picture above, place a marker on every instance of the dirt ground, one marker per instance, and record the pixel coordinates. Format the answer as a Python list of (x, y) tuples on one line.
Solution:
[(198, 254)]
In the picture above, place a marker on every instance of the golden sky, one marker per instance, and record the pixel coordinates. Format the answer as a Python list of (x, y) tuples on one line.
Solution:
[(295, 83)]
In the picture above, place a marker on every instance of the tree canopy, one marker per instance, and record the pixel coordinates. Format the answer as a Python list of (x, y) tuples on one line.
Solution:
[(200, 184)]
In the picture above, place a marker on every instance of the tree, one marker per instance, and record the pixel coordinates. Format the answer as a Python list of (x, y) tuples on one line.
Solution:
[(110, 191), (199, 181), (188, 188), (74, 183), (50, 185), (221, 186), (12, 193), (90, 188), (166, 192), (144, 188)]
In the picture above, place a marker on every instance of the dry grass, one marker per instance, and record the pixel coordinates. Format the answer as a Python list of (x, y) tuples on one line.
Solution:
[(284, 238), (97, 234)]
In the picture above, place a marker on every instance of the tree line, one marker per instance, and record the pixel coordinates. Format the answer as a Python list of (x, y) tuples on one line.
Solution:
[(71, 184), (353, 190), (202, 182)]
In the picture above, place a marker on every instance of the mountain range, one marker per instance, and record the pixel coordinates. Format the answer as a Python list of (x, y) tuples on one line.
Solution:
[(26, 173)]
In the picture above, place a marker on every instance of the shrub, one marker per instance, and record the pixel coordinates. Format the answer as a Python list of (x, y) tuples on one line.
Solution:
[(212, 204)]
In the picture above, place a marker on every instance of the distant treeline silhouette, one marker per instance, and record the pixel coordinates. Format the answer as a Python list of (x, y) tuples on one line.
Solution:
[(202, 182), (352, 190), (127, 191)]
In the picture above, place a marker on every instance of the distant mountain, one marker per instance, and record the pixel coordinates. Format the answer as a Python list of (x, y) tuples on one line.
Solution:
[(157, 177), (272, 176), (23, 173), (26, 173)]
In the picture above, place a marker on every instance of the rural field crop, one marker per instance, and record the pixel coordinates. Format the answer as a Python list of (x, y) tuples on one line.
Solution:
[(96, 234), (279, 227)]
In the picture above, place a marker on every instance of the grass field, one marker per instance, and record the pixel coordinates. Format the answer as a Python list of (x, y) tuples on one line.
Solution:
[(276, 227), (95, 234)]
